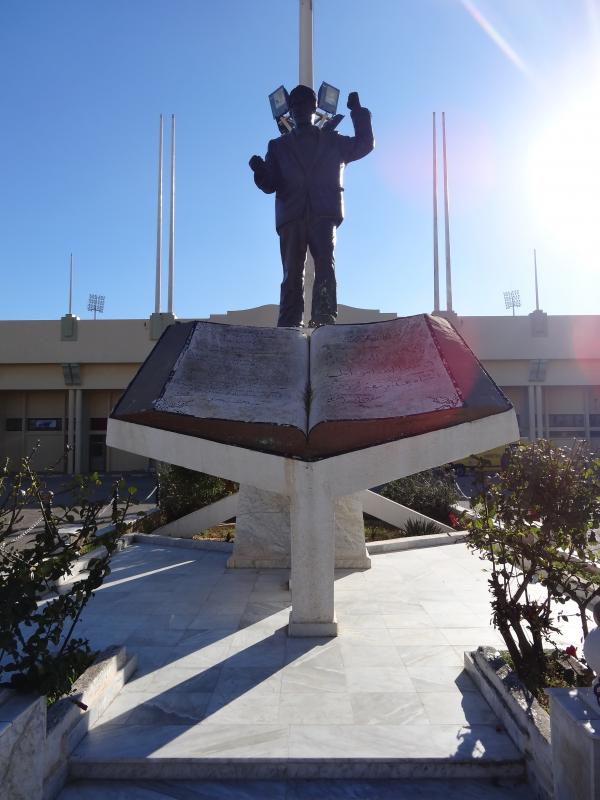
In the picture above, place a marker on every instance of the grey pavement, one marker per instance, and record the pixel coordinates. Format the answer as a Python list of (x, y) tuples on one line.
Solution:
[(218, 678)]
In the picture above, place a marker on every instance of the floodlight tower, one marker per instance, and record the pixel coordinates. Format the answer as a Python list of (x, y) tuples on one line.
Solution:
[(512, 300), (96, 303)]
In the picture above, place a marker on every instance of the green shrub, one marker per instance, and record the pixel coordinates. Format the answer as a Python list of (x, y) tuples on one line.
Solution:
[(431, 493), (38, 651), (534, 527), (182, 490), (420, 527)]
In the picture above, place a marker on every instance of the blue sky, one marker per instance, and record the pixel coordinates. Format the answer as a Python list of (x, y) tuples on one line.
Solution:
[(84, 83)]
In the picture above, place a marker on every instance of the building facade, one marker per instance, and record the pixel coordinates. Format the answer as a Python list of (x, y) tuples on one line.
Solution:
[(59, 379)]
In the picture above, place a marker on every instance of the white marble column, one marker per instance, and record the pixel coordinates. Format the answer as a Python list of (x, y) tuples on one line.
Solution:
[(313, 555)]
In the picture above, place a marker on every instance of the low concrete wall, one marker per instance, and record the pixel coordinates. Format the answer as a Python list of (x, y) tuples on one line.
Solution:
[(416, 542), (35, 745), (171, 541), (525, 721), (22, 739), (67, 723)]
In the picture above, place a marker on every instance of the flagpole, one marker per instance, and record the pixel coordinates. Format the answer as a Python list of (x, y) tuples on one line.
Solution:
[(436, 261), (159, 224), (172, 225), (446, 220)]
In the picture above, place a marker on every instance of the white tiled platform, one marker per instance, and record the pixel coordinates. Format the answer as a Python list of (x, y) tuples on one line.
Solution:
[(222, 693)]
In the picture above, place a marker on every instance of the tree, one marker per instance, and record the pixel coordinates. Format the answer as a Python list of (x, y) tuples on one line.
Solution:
[(38, 649), (534, 525)]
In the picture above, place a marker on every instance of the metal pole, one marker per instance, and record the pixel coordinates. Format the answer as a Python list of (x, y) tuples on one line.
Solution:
[(446, 220), (305, 76), (537, 298), (306, 43), (159, 223), (71, 286), (436, 263), (172, 227)]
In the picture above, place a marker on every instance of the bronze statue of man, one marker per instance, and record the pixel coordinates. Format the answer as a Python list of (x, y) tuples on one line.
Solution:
[(305, 169)]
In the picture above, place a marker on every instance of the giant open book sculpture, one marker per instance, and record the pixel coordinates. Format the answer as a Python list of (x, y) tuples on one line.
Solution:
[(281, 391), (312, 417)]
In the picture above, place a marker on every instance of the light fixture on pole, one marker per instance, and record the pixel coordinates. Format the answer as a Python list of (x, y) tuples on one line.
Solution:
[(512, 300), (96, 303), (327, 103)]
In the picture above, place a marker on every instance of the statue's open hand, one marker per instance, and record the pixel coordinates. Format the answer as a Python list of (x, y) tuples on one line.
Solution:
[(256, 163), (353, 101)]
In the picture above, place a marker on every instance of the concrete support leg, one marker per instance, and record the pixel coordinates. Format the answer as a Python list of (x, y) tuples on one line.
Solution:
[(539, 413), (71, 431), (78, 431), (313, 555), (531, 412)]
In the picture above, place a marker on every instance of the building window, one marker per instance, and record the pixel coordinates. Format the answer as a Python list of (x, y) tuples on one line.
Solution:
[(566, 435), (595, 420), (537, 370), (72, 374), (566, 420), (44, 424), (14, 424), (98, 423)]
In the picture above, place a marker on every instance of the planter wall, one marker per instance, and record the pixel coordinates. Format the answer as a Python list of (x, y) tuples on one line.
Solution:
[(524, 719), (35, 745)]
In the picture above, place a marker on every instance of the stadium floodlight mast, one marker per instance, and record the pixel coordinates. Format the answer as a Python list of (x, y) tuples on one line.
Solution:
[(96, 303), (327, 102), (512, 299)]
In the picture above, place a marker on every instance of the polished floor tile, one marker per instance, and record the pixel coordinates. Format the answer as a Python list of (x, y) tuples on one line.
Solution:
[(218, 676)]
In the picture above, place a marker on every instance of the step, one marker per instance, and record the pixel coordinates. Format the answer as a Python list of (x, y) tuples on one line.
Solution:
[(297, 790), (269, 752)]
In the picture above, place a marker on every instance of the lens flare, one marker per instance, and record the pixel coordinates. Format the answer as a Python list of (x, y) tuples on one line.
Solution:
[(564, 176), (500, 42)]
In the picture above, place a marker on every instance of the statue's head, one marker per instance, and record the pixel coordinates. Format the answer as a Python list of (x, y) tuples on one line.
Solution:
[(302, 105)]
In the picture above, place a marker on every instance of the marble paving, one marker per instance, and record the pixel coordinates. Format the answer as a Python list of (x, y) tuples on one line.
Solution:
[(219, 680)]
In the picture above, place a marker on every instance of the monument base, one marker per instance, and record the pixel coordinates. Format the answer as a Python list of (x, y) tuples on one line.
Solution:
[(262, 532), (312, 629)]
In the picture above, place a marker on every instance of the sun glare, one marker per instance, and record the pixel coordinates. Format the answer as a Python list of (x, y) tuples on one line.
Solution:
[(564, 176)]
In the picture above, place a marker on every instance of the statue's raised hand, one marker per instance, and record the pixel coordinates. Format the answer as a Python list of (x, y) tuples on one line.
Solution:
[(353, 101), (256, 163)]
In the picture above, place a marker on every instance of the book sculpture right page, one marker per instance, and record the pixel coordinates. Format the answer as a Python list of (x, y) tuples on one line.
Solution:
[(384, 381), (283, 391)]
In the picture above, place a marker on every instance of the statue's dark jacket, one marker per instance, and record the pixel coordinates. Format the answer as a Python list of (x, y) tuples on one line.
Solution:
[(318, 185)]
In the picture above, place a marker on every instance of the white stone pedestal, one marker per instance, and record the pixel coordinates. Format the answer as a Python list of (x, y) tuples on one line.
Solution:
[(262, 531)]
